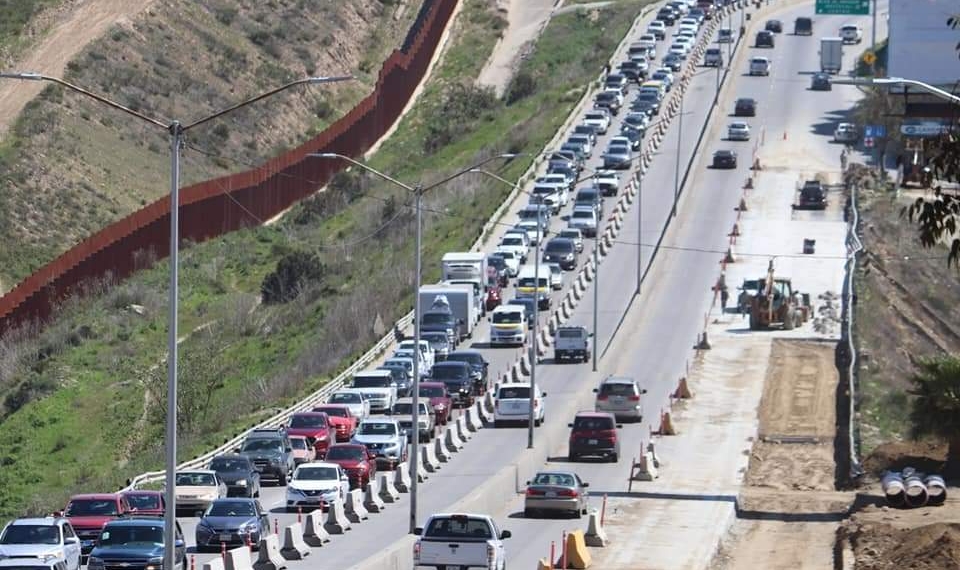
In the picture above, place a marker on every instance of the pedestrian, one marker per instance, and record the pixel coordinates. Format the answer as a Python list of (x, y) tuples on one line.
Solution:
[(397, 333), (606, 69), (843, 159), (724, 296)]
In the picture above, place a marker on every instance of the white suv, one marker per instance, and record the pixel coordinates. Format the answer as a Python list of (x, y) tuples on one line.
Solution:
[(599, 119), (760, 66), (512, 404), (851, 34), (48, 540)]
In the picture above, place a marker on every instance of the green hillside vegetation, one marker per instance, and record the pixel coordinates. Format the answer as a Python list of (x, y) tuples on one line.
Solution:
[(71, 166), (84, 412)]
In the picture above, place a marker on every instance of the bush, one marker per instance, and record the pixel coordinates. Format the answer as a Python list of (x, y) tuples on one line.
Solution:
[(460, 108), (294, 271), (523, 85)]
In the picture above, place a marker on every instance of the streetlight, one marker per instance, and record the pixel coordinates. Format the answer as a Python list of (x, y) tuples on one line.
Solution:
[(881, 81), (176, 130), (418, 191)]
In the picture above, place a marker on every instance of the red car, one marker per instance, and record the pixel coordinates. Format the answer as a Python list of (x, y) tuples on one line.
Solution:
[(494, 297), (439, 399), (145, 502), (88, 514), (316, 427), (339, 416), (359, 463)]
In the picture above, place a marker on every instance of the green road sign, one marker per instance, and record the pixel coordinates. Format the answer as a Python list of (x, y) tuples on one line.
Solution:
[(843, 7)]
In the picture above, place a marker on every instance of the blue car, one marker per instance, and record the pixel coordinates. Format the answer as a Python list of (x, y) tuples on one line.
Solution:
[(135, 543)]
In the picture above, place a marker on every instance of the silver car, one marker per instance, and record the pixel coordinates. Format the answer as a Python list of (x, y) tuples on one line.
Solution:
[(620, 396), (556, 491)]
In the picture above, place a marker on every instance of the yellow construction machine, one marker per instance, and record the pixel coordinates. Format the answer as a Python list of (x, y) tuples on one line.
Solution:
[(776, 304)]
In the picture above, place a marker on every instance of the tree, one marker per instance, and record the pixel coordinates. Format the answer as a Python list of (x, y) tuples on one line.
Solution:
[(294, 271), (936, 405), (201, 368)]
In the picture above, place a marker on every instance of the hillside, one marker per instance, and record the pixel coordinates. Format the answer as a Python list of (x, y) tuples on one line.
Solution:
[(69, 166)]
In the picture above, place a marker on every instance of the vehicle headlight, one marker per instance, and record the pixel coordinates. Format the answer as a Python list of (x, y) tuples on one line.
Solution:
[(155, 563), (48, 557), (569, 256), (294, 491), (242, 483), (248, 527)]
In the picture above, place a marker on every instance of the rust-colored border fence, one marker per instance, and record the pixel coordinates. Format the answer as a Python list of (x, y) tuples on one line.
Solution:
[(215, 207)]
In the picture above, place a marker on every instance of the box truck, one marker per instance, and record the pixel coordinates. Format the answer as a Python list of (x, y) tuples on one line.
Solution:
[(460, 301), (831, 55)]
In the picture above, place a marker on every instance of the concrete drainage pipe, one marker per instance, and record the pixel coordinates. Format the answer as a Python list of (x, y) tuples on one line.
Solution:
[(915, 493), (893, 489), (936, 490)]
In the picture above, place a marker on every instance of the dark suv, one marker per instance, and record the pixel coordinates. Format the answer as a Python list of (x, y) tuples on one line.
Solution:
[(238, 473), (609, 101), (745, 107), (271, 454), (135, 544), (456, 377), (764, 39), (594, 434), (478, 367), (562, 251)]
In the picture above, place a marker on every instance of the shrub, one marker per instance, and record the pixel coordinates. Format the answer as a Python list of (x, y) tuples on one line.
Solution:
[(294, 271), (523, 85)]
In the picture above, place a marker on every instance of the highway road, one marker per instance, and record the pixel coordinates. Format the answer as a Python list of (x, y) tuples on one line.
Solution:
[(656, 336)]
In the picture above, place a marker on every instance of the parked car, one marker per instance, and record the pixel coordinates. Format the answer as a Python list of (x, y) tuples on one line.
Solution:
[(594, 434), (820, 81), (341, 418), (135, 543), (50, 539), (145, 502), (317, 485), (620, 396), (88, 513), (385, 439), (745, 107), (238, 474), (556, 492), (196, 489), (512, 404), (738, 131), (457, 377), (725, 159), (357, 461), (571, 343), (439, 399), (315, 426), (231, 523), (846, 133)]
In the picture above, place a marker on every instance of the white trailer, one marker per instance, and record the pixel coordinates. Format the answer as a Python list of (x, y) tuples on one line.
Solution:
[(460, 299), (831, 55)]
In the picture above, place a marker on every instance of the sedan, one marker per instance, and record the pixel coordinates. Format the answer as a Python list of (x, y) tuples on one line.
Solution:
[(617, 156), (738, 131), (556, 276), (775, 26), (232, 522), (764, 39), (196, 490), (726, 159), (317, 485), (673, 62), (557, 492), (745, 107)]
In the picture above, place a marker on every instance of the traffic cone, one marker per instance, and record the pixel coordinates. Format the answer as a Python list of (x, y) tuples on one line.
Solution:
[(743, 205), (666, 425), (784, 135), (749, 184), (729, 258), (735, 232), (683, 392)]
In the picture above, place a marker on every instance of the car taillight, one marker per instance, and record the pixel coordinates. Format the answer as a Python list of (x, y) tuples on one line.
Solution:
[(534, 493), (536, 402), (491, 554), (568, 493), (634, 398), (603, 397), (416, 551)]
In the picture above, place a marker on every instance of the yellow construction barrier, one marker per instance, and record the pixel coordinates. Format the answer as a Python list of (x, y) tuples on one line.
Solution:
[(576, 551), (544, 564)]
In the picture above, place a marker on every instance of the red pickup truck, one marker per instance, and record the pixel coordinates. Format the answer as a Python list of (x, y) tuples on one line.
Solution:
[(88, 514), (339, 416)]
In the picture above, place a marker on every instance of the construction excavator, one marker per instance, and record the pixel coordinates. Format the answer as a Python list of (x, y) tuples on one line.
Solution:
[(775, 304)]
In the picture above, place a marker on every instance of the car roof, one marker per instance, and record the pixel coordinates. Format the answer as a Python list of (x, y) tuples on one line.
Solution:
[(137, 521), (618, 380), (34, 521), (469, 351), (381, 420), (450, 364), (318, 464), (95, 496), (563, 240), (587, 414), (433, 384)]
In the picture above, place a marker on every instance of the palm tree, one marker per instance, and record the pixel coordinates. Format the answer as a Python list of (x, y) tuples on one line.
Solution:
[(936, 404)]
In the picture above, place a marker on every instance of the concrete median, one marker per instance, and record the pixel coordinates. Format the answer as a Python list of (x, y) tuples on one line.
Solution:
[(238, 559), (430, 461), (371, 497), (388, 492), (294, 548), (337, 521), (401, 478), (474, 423), (462, 432), (440, 450), (314, 533), (353, 507), (575, 551), (213, 564), (595, 535), (450, 439)]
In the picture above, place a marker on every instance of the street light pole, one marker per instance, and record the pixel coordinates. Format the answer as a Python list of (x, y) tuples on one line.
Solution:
[(177, 131), (676, 169), (881, 81), (596, 281), (418, 191), (639, 227), (535, 344)]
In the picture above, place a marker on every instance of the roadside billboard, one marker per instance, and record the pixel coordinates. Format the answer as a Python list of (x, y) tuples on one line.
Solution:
[(922, 45)]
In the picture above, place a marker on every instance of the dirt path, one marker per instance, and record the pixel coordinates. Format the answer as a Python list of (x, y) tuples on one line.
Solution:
[(525, 19), (81, 22)]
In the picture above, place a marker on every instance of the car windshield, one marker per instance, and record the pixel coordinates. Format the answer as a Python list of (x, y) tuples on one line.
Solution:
[(436, 318), (559, 479), (91, 507), (506, 318), (126, 534), (469, 358), (347, 452), (583, 423), (447, 372), (432, 391), (298, 443), (31, 534), (458, 527), (510, 240), (617, 389), (559, 247), (571, 234), (496, 261), (196, 479), (532, 281), (262, 445), (308, 421), (582, 215), (514, 392), (347, 398), (506, 255), (403, 408), (371, 382), (229, 464), (305, 473), (231, 509), (377, 428), (571, 333), (143, 501), (407, 364), (432, 338)]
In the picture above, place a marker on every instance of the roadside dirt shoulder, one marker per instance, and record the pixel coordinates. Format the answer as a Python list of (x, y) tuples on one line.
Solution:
[(80, 24)]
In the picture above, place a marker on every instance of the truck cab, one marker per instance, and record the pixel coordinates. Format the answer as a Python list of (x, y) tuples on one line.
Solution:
[(460, 541), (571, 344), (508, 326)]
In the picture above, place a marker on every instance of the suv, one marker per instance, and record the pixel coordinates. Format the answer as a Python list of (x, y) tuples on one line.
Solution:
[(271, 454), (621, 397), (458, 378), (136, 543), (803, 27), (145, 502), (812, 196), (562, 251), (385, 439), (759, 66), (238, 473), (594, 434), (820, 81), (745, 107), (315, 427), (359, 462), (846, 133), (713, 57), (764, 39), (46, 540), (775, 26), (571, 343), (512, 404), (851, 34), (478, 367), (609, 101), (88, 514)]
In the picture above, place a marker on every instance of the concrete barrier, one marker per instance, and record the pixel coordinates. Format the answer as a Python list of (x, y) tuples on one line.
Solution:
[(430, 461), (488, 402), (481, 407), (313, 532), (595, 535), (401, 478), (577, 555), (371, 497), (461, 428), (565, 310), (450, 440), (294, 548), (213, 564), (525, 363), (353, 507), (516, 374), (337, 521), (388, 492), (474, 423), (643, 469), (554, 322), (421, 472), (440, 450), (238, 559)]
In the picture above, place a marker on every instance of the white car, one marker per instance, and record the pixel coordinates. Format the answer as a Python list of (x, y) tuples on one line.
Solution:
[(738, 131), (353, 399), (512, 403), (508, 326), (317, 484), (846, 133), (556, 276), (657, 28), (196, 489), (599, 119), (427, 354), (511, 260), (531, 226), (51, 541), (680, 49), (760, 66), (513, 242), (643, 65), (648, 41), (851, 34), (690, 22)]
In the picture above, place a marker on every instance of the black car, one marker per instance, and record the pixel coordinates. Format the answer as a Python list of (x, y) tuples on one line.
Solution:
[(500, 265), (562, 251), (457, 377), (745, 107), (725, 159), (647, 100), (667, 16), (775, 26), (634, 135), (631, 70), (821, 82), (813, 196), (238, 473), (803, 27), (440, 320), (478, 367), (764, 39), (609, 101)]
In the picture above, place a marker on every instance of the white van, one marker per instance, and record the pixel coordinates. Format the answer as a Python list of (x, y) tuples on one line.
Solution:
[(760, 66), (508, 326)]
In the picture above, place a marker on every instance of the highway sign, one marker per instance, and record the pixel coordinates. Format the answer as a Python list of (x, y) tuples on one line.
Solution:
[(924, 129), (843, 7), (875, 131)]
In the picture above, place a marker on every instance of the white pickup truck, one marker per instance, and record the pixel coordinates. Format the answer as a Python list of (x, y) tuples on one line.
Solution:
[(460, 541)]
